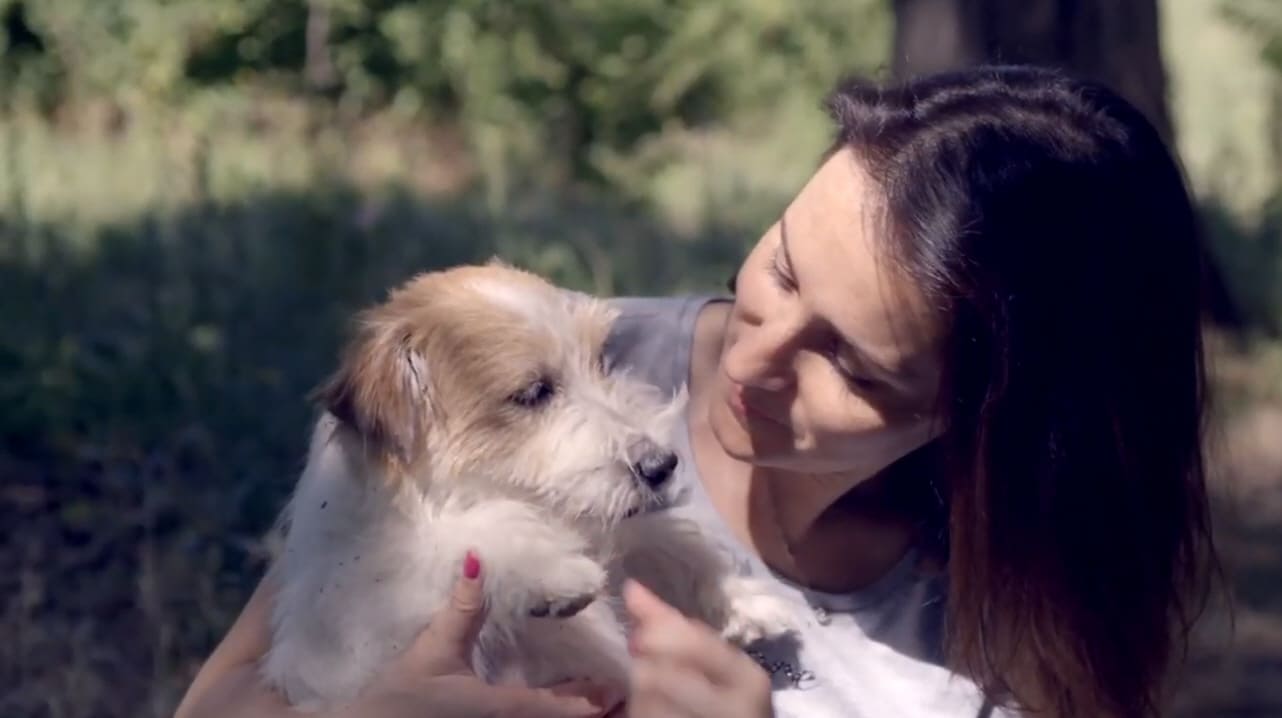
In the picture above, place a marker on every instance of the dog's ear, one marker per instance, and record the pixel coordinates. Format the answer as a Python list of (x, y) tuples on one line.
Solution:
[(381, 391)]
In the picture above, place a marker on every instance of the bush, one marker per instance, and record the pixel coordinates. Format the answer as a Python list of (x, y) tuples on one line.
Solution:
[(560, 87)]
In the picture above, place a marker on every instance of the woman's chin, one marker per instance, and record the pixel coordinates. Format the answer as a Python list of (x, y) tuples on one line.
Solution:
[(747, 443)]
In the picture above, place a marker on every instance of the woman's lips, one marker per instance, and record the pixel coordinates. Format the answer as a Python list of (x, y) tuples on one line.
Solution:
[(740, 401)]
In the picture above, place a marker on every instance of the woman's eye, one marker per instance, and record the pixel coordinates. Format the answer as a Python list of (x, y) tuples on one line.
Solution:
[(535, 394), (853, 378), (861, 383), (781, 272)]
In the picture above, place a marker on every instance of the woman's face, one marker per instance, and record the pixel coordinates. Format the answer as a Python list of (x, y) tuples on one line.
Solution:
[(830, 359)]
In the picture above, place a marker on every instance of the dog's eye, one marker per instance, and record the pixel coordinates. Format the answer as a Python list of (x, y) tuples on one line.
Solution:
[(537, 393)]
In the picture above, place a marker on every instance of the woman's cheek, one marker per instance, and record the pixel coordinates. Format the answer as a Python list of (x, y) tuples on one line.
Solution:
[(831, 408)]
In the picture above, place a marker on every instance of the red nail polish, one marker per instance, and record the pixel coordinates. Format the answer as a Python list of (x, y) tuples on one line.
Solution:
[(471, 566)]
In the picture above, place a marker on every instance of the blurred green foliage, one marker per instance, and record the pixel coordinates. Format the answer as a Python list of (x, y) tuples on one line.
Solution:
[(1250, 248), (196, 195), (573, 82), (1263, 19)]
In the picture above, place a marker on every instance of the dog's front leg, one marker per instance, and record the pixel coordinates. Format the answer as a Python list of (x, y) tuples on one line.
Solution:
[(534, 566), (542, 582), (675, 559)]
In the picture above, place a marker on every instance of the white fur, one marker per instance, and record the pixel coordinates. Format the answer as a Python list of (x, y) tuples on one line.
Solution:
[(366, 565)]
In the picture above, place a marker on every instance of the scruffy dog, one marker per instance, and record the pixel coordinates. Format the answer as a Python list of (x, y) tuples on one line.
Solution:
[(473, 410)]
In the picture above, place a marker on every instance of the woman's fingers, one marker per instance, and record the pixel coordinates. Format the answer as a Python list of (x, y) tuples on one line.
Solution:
[(683, 669), (663, 689), (606, 698), (574, 699), (468, 697), (446, 644), (443, 652), (645, 606), (691, 648), (663, 634)]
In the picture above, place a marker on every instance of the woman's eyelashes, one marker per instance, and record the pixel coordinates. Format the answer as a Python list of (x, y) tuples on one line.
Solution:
[(857, 380), (781, 272)]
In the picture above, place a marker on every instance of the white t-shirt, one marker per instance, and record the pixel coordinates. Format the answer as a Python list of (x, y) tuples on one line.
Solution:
[(873, 653)]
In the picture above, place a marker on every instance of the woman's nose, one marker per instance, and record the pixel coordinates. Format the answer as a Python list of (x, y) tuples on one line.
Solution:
[(764, 354)]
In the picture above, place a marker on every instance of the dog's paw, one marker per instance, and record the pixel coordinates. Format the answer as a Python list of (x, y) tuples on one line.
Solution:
[(561, 607), (752, 614), (569, 587)]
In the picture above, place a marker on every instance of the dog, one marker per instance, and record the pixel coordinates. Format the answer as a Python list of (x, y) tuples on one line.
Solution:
[(473, 410)]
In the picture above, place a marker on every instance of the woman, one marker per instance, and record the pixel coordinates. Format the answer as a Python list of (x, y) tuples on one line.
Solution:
[(965, 363)]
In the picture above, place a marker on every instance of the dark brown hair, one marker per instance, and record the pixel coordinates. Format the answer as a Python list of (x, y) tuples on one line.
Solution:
[(1048, 223)]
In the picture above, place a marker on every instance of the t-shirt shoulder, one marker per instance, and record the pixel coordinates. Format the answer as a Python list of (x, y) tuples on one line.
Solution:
[(652, 337)]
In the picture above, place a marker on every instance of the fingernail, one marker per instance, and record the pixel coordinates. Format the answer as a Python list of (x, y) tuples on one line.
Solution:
[(471, 566)]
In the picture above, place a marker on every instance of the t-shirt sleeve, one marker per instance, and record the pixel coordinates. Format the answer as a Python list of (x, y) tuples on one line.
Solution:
[(651, 338)]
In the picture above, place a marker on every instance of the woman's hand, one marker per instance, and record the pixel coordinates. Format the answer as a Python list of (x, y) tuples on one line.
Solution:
[(682, 669), (431, 679)]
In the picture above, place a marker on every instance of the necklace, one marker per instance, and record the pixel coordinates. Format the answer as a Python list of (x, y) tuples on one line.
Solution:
[(821, 614)]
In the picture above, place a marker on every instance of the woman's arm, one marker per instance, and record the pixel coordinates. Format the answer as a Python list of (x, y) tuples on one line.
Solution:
[(433, 677), (231, 667)]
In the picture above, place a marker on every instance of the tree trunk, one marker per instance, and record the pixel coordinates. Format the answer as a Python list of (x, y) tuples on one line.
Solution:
[(318, 67), (1114, 42), (932, 36)]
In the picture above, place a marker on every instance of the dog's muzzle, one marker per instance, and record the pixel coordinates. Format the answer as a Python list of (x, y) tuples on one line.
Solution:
[(651, 464)]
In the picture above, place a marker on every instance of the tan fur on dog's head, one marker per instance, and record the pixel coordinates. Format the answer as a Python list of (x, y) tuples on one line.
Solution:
[(491, 371)]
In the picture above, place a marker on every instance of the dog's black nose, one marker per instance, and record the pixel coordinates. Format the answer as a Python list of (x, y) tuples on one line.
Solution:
[(653, 465)]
